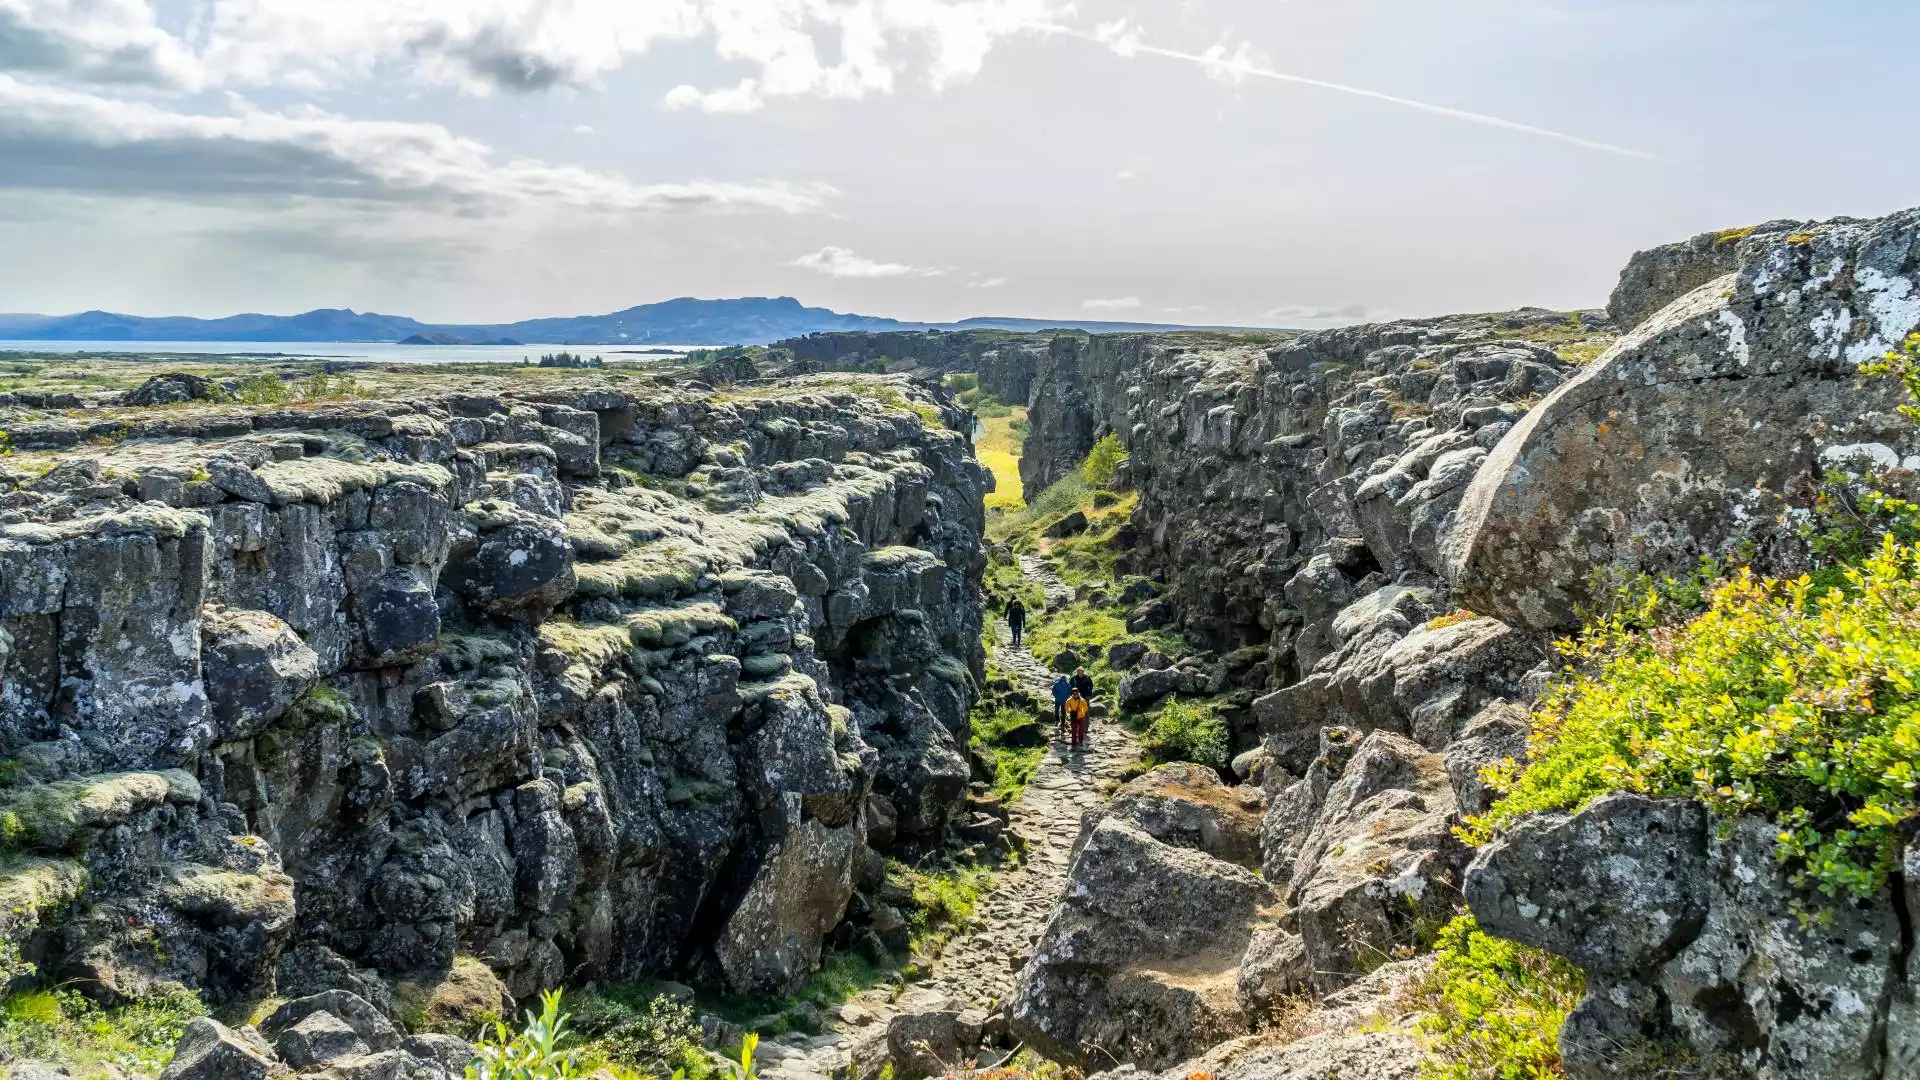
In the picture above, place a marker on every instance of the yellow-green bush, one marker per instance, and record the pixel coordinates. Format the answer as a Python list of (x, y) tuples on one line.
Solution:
[(1797, 703), (1494, 1008), (1103, 462)]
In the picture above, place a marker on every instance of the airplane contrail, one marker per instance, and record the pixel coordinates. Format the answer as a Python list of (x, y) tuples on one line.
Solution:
[(1240, 66)]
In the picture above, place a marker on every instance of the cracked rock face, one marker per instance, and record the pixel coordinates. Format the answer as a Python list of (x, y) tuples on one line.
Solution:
[(580, 679), (1694, 936)]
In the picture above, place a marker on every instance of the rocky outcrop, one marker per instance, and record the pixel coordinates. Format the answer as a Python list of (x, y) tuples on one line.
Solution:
[(1706, 430), (1694, 937), (578, 679), (1657, 277), (1140, 961), (1279, 485), (327, 1035)]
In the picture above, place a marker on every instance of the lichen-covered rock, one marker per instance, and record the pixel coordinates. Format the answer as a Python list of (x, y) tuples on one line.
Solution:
[(1618, 888), (209, 1050), (1653, 455), (1140, 961), (584, 679), (1696, 938), (1657, 277), (255, 667), (1381, 857)]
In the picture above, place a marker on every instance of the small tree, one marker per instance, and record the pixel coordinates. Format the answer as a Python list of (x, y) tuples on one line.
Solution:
[(1104, 461)]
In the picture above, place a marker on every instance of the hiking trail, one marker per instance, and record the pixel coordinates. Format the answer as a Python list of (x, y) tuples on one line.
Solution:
[(978, 966)]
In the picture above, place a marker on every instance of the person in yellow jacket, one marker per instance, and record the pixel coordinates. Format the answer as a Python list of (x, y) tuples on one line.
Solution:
[(1077, 720)]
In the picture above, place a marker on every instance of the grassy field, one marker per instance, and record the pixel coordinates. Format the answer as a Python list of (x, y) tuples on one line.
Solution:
[(998, 448)]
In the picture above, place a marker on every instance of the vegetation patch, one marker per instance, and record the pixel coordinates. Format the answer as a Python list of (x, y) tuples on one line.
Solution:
[(59, 1027), (1187, 731), (1494, 1008), (1796, 703)]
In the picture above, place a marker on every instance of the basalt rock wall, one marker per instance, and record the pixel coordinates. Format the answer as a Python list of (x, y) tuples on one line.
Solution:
[(587, 682), (1004, 362)]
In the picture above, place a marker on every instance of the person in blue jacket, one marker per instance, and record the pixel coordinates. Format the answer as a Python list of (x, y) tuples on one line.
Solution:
[(1062, 690)]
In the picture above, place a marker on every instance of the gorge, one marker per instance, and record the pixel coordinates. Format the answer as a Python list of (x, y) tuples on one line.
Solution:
[(359, 708)]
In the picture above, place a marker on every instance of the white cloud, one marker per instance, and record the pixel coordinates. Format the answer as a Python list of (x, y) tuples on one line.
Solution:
[(874, 43), (1126, 174), (583, 129), (93, 41), (841, 262), (1124, 303), (989, 283), (77, 142), (1190, 309)]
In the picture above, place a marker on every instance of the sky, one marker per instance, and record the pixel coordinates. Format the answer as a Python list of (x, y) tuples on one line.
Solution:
[(1248, 162)]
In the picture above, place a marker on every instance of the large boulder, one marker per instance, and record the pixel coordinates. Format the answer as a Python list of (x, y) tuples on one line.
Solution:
[(1618, 888), (1696, 937), (517, 563), (255, 668), (1140, 962), (1707, 428), (1188, 806)]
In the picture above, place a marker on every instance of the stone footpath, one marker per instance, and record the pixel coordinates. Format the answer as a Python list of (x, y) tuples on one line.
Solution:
[(1059, 594), (976, 969)]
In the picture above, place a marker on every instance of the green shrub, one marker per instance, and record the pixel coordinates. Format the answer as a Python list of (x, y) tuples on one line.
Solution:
[(652, 1034), (1184, 731), (1103, 462), (1494, 1008), (533, 1053), (1783, 700), (260, 388)]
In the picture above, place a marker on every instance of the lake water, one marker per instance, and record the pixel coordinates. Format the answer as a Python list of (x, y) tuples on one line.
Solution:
[(341, 350)]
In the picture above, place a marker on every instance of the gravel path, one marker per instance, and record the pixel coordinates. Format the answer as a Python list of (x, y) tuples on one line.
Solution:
[(977, 967)]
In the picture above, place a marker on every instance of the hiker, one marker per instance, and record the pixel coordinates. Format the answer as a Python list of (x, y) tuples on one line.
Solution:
[(1016, 619), (1062, 690), (1077, 717), (1083, 682)]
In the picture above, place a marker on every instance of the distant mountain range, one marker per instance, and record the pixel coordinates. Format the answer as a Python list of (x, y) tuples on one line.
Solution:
[(753, 320)]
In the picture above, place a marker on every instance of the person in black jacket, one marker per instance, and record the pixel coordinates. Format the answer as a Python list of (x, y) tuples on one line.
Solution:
[(1016, 619), (1083, 682)]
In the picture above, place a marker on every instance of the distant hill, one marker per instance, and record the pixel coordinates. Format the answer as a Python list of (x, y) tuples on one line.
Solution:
[(753, 320)]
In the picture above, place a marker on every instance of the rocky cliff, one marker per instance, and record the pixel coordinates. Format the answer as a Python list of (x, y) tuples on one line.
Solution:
[(1401, 515), (579, 678)]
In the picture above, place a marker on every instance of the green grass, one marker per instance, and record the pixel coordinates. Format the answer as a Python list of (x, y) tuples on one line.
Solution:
[(62, 1028), (998, 448), (1013, 767)]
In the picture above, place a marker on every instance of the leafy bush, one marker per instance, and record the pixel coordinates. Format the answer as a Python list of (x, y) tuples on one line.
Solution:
[(1103, 462), (533, 1053), (1494, 1008), (260, 388), (653, 1034), (1783, 700), (1184, 731)]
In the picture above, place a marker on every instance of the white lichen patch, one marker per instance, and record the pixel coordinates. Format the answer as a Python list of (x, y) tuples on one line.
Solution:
[(1894, 307), (1736, 332)]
